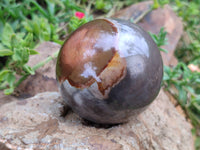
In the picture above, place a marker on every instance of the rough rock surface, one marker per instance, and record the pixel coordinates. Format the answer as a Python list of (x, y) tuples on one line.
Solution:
[(35, 123), (153, 21), (6, 99)]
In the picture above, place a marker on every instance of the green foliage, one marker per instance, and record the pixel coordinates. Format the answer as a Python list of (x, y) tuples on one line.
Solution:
[(42, 18), (23, 25), (187, 84), (103, 5), (41, 29), (17, 48), (159, 3), (160, 39), (189, 49), (75, 22), (180, 81), (5, 52)]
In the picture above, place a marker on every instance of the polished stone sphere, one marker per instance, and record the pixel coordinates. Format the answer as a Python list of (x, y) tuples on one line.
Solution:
[(107, 69)]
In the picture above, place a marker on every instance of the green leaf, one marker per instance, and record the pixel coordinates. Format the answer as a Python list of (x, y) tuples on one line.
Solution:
[(6, 35), (182, 96), (28, 40), (11, 79), (6, 52), (165, 77), (163, 50), (1, 46), (14, 41), (33, 52), (155, 4), (100, 4), (190, 89), (17, 55), (9, 91), (27, 26), (160, 39), (193, 116), (197, 143), (21, 55), (3, 74), (196, 107), (25, 55)]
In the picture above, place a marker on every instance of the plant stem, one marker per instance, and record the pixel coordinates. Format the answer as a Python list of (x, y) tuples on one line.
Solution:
[(21, 80), (88, 9), (42, 63), (111, 12), (139, 18)]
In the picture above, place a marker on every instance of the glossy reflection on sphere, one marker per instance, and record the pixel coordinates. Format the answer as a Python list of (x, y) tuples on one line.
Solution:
[(107, 69)]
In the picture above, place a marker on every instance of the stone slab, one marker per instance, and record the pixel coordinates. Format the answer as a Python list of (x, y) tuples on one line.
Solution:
[(35, 123)]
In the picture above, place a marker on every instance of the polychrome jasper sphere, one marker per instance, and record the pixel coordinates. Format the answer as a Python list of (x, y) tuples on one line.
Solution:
[(107, 69)]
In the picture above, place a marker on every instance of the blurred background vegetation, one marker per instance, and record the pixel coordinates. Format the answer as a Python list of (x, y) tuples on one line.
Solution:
[(26, 23)]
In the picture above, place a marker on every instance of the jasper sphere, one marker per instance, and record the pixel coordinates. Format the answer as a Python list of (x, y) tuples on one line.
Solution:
[(107, 69)]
